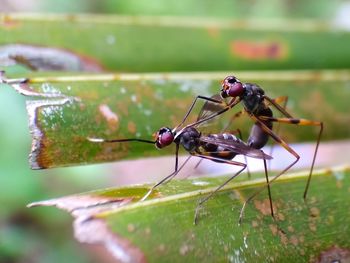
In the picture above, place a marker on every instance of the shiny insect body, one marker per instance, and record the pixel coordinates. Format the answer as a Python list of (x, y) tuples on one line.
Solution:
[(258, 106), (221, 148)]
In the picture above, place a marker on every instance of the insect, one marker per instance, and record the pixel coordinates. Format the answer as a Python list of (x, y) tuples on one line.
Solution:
[(258, 107), (221, 148)]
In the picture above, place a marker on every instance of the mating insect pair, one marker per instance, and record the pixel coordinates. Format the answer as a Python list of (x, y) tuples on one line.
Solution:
[(224, 147)]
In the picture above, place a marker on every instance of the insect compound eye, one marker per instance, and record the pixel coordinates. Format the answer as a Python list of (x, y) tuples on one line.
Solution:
[(164, 137), (232, 87)]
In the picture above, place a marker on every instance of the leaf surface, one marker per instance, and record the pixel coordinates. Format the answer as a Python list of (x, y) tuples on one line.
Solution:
[(65, 110), (161, 44), (162, 228)]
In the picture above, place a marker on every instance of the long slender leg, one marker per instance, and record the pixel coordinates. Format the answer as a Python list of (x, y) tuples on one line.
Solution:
[(279, 100), (193, 104), (284, 101), (167, 177), (245, 157), (268, 188), (230, 105), (278, 107), (269, 192), (292, 120), (284, 145), (241, 137), (201, 202), (302, 122), (235, 116), (274, 101)]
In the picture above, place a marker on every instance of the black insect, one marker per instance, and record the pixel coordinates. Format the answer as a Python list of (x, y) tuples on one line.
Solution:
[(258, 107), (220, 148)]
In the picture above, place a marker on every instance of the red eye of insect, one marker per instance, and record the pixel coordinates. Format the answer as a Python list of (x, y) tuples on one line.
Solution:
[(235, 89), (232, 86), (164, 137)]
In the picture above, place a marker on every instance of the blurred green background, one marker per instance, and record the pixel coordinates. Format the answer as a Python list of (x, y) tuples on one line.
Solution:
[(45, 235)]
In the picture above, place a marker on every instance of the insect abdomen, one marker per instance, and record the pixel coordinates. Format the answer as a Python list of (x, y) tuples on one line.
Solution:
[(220, 151), (258, 137)]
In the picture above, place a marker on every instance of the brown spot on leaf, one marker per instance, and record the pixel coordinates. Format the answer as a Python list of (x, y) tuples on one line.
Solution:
[(280, 216), (255, 223), (274, 229), (294, 240), (132, 127), (339, 184), (290, 229), (283, 237), (184, 249), (264, 206), (314, 212), (277, 231), (312, 226), (334, 255), (147, 231), (131, 228), (314, 218), (258, 50), (161, 248)]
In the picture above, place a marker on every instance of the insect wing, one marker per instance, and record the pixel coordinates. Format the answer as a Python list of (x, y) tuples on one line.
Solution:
[(209, 108), (237, 147)]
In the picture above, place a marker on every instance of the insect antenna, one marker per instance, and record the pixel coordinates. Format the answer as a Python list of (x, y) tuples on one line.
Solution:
[(92, 139)]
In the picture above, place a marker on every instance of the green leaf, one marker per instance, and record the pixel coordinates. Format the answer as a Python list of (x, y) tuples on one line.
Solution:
[(159, 44), (227, 8), (162, 229), (73, 108)]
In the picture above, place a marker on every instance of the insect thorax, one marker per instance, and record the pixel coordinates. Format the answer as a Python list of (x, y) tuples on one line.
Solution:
[(253, 97), (189, 139)]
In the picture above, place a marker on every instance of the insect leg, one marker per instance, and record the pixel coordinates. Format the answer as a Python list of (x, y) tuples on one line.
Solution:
[(274, 102), (167, 177), (230, 105), (268, 188), (302, 122), (280, 142), (269, 193), (201, 202), (279, 100), (192, 106)]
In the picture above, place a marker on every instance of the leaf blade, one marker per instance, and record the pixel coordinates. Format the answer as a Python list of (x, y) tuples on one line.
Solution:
[(137, 105), (218, 236), (215, 44)]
